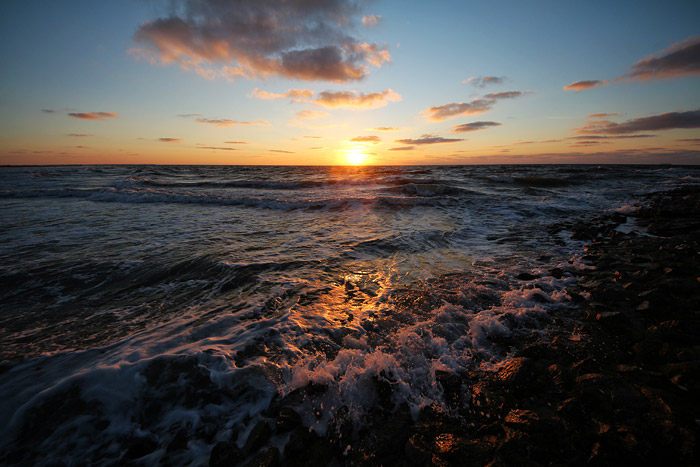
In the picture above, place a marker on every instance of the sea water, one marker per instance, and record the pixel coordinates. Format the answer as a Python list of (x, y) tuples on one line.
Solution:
[(161, 301)]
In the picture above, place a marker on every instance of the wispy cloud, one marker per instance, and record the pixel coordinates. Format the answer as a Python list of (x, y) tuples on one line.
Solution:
[(93, 115), (295, 95), (366, 139), (299, 40), (581, 85), (216, 148), (403, 148), (666, 121), (483, 81), (235, 142), (224, 122), (355, 100), (282, 151), (79, 135), (427, 139), (442, 112), (371, 20), (583, 137), (170, 140), (475, 107), (689, 140), (384, 128), (507, 94), (189, 115), (48, 111), (474, 126), (311, 114), (681, 59), (604, 115)]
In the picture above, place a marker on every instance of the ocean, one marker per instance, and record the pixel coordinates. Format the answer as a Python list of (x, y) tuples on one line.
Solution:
[(147, 305)]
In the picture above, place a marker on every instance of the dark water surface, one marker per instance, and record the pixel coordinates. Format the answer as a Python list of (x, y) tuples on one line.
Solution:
[(153, 300)]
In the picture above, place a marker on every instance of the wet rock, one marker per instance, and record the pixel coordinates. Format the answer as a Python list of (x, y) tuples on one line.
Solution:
[(557, 273), (299, 439), (140, 447), (268, 458), (179, 441), (526, 276), (224, 454), (287, 420), (451, 386), (339, 432), (258, 437)]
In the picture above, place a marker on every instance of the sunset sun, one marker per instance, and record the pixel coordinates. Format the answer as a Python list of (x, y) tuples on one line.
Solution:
[(355, 156)]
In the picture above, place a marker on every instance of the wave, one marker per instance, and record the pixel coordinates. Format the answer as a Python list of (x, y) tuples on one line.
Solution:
[(112, 195)]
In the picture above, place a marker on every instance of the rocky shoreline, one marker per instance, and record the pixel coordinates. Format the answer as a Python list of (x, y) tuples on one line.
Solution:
[(616, 383)]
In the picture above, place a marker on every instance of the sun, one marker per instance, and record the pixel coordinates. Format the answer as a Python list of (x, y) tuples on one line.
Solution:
[(355, 156)]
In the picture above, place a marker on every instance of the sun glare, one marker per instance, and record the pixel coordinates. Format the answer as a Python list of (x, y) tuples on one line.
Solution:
[(355, 156)]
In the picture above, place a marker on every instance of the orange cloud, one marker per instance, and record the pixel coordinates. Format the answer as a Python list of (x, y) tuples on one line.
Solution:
[(296, 95), (79, 135), (581, 85), (298, 40), (224, 122), (681, 59), (216, 148), (603, 115), (235, 142), (170, 140), (311, 114), (371, 20), (403, 148), (93, 115), (354, 100), (384, 128), (366, 139)]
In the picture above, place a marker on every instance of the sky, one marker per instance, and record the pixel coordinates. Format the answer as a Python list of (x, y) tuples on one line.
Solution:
[(335, 82)]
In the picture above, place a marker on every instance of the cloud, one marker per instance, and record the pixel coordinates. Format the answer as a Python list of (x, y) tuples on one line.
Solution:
[(611, 137), (384, 128), (427, 139), (403, 148), (281, 151), (603, 115), (93, 115), (235, 142), (482, 81), (667, 121), (366, 139), (79, 135), (581, 85), (313, 137), (80, 147), (681, 59), (216, 148), (507, 95), (371, 20), (311, 114), (307, 40), (467, 127), (442, 112), (48, 111), (475, 107), (224, 122), (296, 95), (170, 140), (189, 115), (689, 140), (355, 100)]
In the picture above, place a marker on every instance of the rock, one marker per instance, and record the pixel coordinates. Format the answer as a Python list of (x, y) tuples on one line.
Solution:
[(287, 420), (225, 453), (451, 386), (268, 458), (299, 439), (339, 432), (557, 273), (258, 437), (525, 276), (140, 447)]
